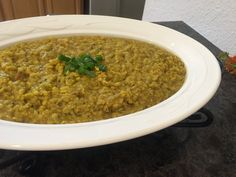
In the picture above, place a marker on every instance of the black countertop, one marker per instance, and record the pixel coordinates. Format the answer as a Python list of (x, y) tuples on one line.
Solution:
[(173, 152)]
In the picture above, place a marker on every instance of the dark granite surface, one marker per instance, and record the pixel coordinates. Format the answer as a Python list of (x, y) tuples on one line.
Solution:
[(173, 152)]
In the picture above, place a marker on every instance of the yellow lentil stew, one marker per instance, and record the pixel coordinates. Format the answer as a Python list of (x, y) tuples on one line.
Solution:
[(34, 88)]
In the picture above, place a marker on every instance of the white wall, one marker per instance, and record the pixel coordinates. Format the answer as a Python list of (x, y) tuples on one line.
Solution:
[(214, 19)]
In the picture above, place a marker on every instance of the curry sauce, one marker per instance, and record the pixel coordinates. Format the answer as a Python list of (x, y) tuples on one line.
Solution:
[(34, 88)]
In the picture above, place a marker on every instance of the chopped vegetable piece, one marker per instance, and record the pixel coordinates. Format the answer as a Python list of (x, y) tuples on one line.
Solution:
[(90, 73), (229, 62), (224, 56), (102, 68), (63, 58), (98, 58), (88, 59), (89, 65), (81, 70)]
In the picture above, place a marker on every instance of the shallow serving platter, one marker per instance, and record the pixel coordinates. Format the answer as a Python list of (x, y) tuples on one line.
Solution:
[(202, 81)]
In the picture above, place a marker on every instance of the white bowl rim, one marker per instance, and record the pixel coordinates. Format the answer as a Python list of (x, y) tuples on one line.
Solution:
[(203, 79)]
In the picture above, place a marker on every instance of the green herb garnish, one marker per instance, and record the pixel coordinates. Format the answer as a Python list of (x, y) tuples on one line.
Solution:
[(84, 64)]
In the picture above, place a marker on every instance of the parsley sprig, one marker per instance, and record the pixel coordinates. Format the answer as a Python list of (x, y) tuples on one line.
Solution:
[(84, 64)]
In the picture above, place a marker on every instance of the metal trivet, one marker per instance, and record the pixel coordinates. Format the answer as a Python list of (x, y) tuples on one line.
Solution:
[(202, 118)]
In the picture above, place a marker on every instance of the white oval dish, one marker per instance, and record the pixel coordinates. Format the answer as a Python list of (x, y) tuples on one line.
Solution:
[(203, 79)]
